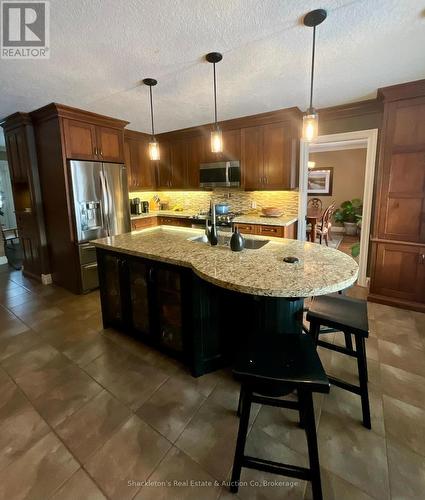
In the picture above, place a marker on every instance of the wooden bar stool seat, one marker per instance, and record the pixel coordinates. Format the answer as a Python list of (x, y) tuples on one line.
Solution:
[(349, 316), (271, 370)]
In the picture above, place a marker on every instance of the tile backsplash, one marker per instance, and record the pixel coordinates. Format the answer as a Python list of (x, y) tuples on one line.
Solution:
[(239, 201)]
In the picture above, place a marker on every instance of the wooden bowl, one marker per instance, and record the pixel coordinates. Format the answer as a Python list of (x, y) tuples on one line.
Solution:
[(271, 211)]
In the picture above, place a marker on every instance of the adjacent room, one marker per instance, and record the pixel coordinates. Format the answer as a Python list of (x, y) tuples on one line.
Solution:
[(212, 266)]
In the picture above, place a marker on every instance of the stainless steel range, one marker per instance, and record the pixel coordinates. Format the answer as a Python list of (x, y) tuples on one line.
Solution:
[(224, 221)]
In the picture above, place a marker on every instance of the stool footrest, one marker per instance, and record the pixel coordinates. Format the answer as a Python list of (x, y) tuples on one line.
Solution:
[(279, 403), (276, 468), (345, 385), (337, 348)]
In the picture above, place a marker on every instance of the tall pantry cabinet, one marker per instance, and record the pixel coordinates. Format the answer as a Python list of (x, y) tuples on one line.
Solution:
[(398, 241)]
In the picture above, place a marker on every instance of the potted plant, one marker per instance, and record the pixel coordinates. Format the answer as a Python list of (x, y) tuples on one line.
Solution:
[(349, 214)]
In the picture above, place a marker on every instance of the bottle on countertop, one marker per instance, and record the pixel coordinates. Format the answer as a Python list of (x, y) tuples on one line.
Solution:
[(213, 237), (237, 241)]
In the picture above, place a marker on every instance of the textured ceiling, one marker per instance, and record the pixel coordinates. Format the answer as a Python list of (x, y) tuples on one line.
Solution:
[(101, 49)]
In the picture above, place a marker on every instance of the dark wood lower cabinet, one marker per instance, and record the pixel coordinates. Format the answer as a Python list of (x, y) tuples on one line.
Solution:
[(398, 276), (171, 309)]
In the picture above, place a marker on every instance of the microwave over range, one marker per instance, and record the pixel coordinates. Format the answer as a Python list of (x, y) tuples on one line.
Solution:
[(220, 174)]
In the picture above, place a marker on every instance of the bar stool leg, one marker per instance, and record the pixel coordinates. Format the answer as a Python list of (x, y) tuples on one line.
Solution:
[(306, 402), (301, 410), (362, 368), (365, 358), (314, 330), (240, 443), (238, 412), (348, 341)]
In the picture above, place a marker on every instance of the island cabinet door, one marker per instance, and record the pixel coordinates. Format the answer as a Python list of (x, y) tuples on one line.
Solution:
[(169, 307), (138, 273), (111, 281)]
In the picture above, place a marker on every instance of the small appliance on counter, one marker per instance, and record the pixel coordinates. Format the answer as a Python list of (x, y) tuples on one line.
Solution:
[(135, 206), (145, 207)]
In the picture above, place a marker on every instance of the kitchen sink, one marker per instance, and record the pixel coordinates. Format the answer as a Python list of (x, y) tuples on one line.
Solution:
[(250, 244)]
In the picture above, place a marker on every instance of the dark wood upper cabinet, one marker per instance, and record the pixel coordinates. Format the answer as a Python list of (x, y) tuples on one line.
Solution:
[(178, 163), (231, 147), (408, 122), (17, 154), (90, 138), (178, 167), (252, 157), (110, 145), (164, 175), (403, 208), (277, 157), (140, 168), (80, 140), (85, 141), (268, 157), (195, 156)]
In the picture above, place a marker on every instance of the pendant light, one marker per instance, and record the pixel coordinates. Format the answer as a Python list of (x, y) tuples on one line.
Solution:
[(311, 118), (216, 136), (153, 144)]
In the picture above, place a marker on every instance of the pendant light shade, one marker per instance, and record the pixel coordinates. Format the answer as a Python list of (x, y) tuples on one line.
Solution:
[(310, 125), (216, 141), (311, 118), (154, 150), (153, 143), (216, 135)]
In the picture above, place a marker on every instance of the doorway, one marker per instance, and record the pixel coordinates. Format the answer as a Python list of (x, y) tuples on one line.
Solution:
[(7, 209), (359, 140)]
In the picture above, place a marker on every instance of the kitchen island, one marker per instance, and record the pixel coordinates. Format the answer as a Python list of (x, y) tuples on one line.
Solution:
[(199, 302)]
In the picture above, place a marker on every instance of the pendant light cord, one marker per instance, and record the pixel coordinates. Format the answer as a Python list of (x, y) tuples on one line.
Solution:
[(150, 93), (312, 67), (215, 97)]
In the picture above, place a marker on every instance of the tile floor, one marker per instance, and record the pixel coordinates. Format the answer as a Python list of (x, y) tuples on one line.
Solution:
[(93, 414)]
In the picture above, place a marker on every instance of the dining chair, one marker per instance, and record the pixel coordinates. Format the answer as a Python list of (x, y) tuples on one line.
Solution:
[(314, 204), (332, 210), (322, 229)]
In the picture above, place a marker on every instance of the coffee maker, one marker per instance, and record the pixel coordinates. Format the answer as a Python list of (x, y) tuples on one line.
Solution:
[(135, 206), (145, 207)]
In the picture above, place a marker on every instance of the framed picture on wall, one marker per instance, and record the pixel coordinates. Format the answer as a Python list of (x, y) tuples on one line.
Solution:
[(320, 181)]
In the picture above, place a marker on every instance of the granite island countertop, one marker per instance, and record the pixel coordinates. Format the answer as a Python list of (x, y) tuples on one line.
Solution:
[(320, 270)]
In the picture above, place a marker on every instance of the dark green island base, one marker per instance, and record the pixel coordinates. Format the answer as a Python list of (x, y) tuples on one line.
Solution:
[(168, 307)]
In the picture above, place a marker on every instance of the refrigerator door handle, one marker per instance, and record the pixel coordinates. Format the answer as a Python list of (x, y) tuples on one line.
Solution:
[(105, 201), (110, 204)]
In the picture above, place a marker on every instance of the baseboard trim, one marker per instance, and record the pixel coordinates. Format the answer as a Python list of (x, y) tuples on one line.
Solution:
[(394, 302)]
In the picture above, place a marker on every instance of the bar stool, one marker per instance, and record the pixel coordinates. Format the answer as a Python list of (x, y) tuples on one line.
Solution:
[(268, 371), (349, 316)]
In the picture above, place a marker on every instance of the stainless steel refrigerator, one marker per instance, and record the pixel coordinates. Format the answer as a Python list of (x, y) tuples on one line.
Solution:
[(101, 208)]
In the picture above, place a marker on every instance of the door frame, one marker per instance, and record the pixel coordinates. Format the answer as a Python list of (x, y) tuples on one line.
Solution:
[(335, 142)]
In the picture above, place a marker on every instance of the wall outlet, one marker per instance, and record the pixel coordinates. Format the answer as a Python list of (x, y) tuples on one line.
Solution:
[(253, 204)]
